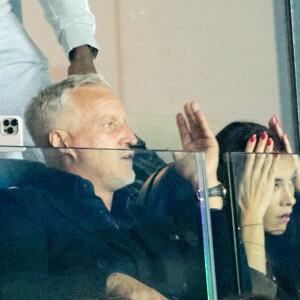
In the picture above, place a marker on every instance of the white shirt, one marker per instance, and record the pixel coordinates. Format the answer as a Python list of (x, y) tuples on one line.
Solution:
[(4, 8), (72, 21)]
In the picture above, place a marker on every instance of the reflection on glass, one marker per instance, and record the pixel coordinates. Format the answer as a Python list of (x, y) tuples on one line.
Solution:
[(64, 237), (265, 186)]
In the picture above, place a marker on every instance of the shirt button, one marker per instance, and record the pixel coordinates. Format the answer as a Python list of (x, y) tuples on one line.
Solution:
[(174, 237)]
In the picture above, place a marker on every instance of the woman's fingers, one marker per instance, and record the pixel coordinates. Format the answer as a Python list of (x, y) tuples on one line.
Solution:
[(251, 143), (275, 127), (262, 142), (250, 157), (270, 146), (258, 165), (272, 168), (287, 145), (268, 167), (260, 156), (256, 162)]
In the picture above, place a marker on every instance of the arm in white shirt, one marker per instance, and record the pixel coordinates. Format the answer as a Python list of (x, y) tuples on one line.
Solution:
[(73, 23)]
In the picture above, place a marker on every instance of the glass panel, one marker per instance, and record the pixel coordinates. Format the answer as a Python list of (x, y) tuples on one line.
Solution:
[(84, 224), (266, 215), (206, 228)]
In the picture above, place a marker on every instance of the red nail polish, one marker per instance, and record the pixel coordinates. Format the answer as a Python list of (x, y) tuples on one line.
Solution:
[(275, 155), (253, 138), (269, 142), (264, 135)]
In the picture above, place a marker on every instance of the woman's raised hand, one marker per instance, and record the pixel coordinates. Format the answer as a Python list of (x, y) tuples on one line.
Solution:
[(257, 184), (256, 191)]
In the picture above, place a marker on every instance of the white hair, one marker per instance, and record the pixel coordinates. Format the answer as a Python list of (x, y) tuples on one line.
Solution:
[(43, 112)]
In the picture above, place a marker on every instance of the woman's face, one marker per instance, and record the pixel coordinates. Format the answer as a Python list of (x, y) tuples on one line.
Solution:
[(281, 206)]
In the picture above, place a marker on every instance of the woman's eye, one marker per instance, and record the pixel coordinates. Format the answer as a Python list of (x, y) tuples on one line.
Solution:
[(276, 186), (108, 124)]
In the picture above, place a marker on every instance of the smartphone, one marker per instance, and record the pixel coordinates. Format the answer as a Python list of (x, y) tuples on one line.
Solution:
[(11, 133)]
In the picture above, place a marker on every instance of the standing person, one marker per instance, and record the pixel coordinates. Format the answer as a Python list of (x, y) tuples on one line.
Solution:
[(24, 68)]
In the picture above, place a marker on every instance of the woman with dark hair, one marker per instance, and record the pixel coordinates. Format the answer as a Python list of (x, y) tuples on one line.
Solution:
[(265, 193)]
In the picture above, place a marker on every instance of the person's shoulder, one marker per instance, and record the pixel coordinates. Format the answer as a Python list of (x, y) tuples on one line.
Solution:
[(24, 203), (47, 182)]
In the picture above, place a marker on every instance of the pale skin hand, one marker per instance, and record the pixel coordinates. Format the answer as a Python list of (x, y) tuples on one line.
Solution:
[(122, 286), (83, 62), (258, 181), (255, 195), (275, 128), (196, 135)]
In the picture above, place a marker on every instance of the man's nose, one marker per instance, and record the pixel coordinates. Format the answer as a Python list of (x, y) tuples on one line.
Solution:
[(128, 136)]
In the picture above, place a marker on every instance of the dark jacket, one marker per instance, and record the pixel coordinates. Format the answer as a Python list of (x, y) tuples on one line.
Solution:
[(60, 234)]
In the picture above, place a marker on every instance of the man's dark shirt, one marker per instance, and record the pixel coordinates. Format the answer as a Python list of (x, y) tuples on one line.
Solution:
[(57, 230), (60, 223)]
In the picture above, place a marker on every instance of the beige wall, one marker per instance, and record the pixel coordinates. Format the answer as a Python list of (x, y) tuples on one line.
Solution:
[(159, 54)]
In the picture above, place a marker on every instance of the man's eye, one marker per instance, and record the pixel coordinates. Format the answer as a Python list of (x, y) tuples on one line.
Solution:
[(276, 186)]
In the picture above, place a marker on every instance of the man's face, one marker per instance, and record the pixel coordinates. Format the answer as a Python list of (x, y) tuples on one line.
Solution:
[(99, 122)]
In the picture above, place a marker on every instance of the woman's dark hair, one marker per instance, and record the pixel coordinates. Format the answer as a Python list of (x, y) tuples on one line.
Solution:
[(234, 138)]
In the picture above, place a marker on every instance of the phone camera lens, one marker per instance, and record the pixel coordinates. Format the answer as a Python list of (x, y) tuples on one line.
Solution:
[(14, 122), (6, 122), (9, 130)]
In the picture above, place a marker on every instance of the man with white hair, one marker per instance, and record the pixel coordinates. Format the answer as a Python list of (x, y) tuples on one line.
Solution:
[(137, 255)]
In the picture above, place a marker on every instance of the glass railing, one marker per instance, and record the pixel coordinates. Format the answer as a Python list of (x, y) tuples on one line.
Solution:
[(264, 193), (99, 223)]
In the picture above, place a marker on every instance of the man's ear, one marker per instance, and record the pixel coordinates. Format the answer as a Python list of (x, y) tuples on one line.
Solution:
[(61, 139)]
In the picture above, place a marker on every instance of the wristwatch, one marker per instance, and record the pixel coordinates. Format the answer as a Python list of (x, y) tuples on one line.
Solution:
[(215, 191)]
